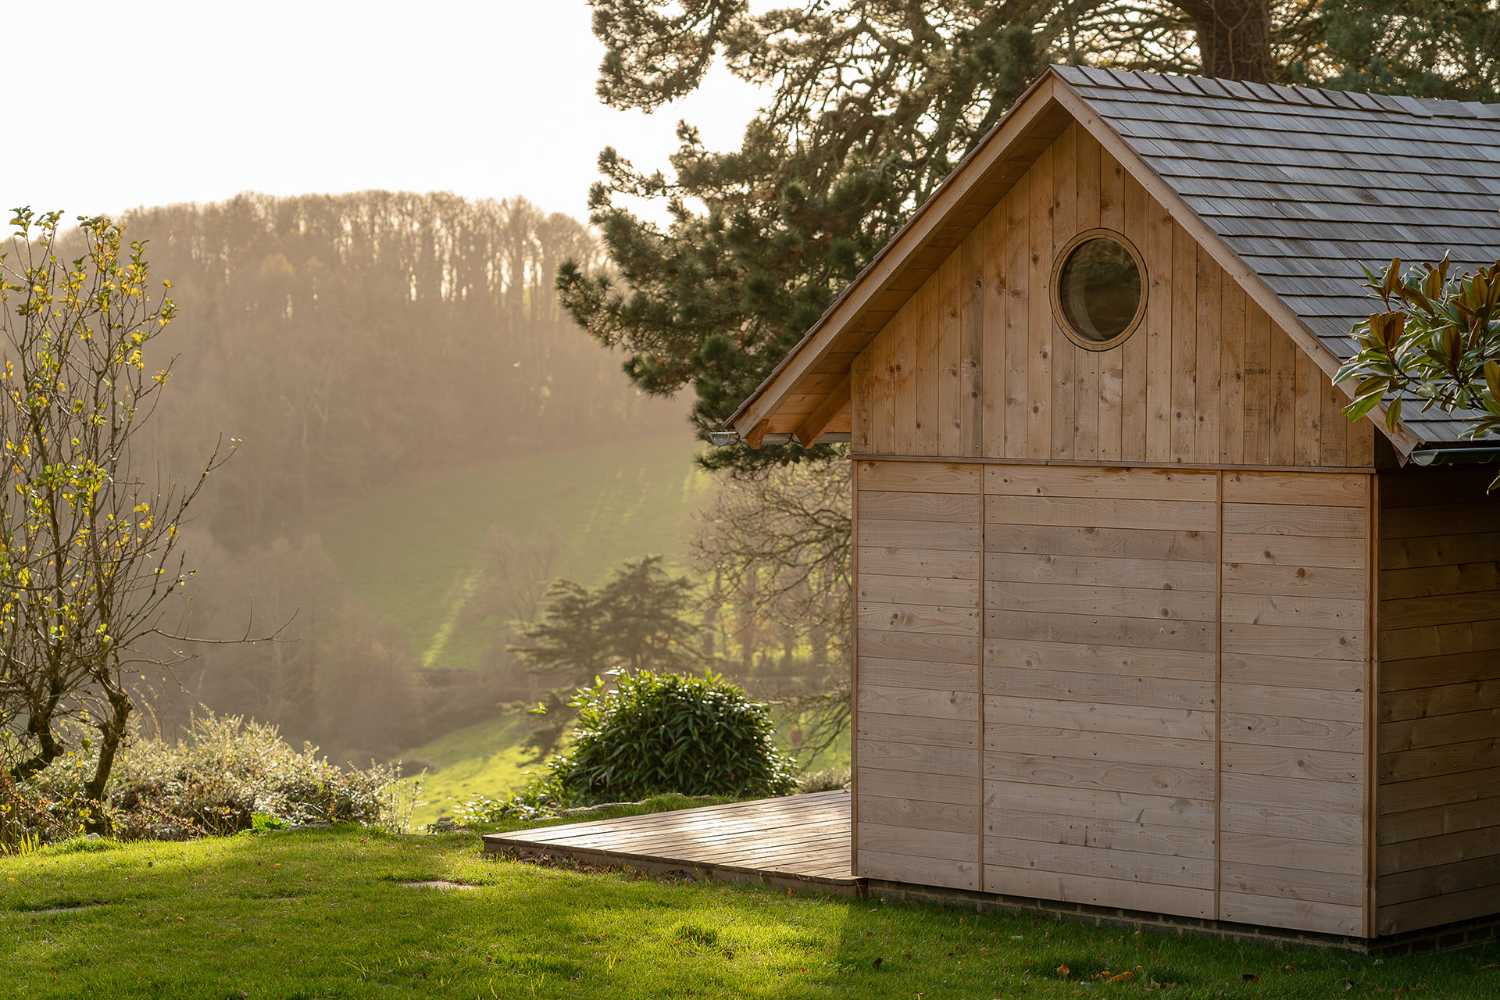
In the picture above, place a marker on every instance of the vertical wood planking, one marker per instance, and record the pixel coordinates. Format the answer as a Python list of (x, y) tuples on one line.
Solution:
[(1306, 448), (1134, 359), (1087, 215), (1208, 379), (1017, 297), (1257, 385), (1064, 226), (1210, 338), (1039, 332), (1282, 371), (1231, 373), (1184, 344), (981, 283), (927, 371), (1334, 427), (1159, 334), (1111, 363), (953, 315)]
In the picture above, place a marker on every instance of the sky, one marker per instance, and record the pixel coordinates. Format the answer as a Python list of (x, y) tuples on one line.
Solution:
[(204, 99)]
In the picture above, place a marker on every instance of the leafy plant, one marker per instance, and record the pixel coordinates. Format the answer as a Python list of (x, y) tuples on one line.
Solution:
[(647, 733), (1437, 341)]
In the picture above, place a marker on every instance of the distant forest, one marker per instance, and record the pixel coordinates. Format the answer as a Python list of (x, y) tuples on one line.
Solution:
[(352, 342)]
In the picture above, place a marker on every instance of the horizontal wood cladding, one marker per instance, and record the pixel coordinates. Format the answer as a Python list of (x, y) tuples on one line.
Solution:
[(1100, 686), (917, 672), (1293, 765), (1072, 684), (974, 364), (1438, 732)]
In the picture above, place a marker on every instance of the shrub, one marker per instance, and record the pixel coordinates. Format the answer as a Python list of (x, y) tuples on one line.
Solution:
[(829, 780), (32, 814), (228, 774), (224, 775), (651, 733)]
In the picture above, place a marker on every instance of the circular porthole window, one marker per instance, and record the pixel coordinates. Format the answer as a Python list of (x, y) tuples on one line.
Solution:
[(1098, 289)]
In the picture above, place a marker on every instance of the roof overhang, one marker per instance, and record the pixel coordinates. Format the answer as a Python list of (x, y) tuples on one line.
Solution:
[(808, 390)]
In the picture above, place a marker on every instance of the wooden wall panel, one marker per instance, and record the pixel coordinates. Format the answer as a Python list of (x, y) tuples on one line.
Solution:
[(1099, 686), (1438, 736), (1147, 688), (917, 679), (1293, 767), (974, 365)]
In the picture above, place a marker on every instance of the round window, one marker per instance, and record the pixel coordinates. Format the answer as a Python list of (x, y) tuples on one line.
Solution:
[(1098, 292)]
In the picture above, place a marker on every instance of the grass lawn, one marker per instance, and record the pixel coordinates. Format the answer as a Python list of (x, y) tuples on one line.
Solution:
[(483, 759), (600, 502), (323, 914)]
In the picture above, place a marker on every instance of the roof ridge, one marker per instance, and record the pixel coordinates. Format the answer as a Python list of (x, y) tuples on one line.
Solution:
[(1295, 94)]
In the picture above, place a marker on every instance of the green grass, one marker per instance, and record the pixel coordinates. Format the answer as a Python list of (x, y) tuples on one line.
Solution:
[(835, 757), (323, 914), (414, 552), (483, 759)]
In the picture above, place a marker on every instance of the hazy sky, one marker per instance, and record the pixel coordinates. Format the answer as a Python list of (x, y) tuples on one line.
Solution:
[(201, 100)]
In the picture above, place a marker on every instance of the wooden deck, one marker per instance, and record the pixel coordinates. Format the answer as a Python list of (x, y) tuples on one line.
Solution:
[(799, 839)]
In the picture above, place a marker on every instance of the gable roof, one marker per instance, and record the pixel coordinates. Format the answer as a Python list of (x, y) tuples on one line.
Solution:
[(1293, 190)]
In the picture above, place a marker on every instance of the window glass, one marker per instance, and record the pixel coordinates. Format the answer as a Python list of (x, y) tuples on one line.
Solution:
[(1099, 289)]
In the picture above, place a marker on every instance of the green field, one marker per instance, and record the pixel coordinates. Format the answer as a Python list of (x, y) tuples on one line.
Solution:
[(325, 913), (486, 759), (414, 552)]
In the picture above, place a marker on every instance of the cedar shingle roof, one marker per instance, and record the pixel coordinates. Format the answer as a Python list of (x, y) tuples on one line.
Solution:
[(1306, 186)]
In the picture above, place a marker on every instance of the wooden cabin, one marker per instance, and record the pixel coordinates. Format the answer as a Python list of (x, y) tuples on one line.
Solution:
[(1143, 621)]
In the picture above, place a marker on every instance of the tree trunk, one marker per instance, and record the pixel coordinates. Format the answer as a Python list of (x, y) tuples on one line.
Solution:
[(111, 733), (39, 725), (1234, 37)]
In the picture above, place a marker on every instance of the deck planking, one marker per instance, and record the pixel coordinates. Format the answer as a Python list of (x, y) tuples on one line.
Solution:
[(795, 839)]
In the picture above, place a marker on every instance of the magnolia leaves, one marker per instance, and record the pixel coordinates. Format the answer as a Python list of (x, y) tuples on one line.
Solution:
[(1437, 341)]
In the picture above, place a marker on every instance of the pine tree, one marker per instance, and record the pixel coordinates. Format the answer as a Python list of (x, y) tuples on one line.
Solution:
[(870, 105)]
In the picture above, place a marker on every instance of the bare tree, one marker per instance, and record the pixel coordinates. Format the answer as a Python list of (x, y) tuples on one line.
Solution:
[(777, 541), (89, 543)]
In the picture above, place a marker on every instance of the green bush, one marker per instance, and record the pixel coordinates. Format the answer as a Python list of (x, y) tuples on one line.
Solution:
[(224, 775), (648, 734), (225, 772)]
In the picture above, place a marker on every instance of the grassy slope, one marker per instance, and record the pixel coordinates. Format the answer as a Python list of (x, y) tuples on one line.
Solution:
[(411, 550), (320, 914), (483, 759)]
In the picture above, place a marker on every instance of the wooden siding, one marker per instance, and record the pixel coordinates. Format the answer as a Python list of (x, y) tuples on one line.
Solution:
[(1293, 768), (1171, 710), (1438, 802), (1099, 678), (917, 672), (974, 365)]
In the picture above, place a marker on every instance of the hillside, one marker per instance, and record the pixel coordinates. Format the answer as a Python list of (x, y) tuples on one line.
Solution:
[(417, 553)]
